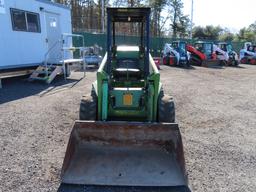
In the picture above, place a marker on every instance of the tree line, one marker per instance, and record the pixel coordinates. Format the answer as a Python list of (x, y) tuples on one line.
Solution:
[(224, 34), (167, 19)]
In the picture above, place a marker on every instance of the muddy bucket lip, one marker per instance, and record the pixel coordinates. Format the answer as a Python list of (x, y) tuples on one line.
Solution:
[(80, 123), (123, 130), (135, 134)]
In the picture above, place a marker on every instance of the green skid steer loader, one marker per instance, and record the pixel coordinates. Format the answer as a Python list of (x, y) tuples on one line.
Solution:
[(126, 138)]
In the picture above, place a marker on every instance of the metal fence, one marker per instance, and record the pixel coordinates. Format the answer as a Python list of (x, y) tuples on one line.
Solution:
[(156, 43)]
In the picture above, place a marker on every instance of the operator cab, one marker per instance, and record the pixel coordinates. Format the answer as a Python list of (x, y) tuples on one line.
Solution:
[(223, 47), (179, 45), (128, 61), (251, 48), (128, 65), (206, 48)]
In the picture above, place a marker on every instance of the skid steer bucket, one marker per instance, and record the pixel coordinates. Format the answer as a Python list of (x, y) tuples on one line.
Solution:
[(124, 154), (211, 63)]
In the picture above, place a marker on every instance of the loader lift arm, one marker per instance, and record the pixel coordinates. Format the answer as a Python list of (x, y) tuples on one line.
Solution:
[(194, 51)]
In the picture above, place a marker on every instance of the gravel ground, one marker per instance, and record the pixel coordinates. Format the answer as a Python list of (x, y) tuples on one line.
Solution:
[(215, 107)]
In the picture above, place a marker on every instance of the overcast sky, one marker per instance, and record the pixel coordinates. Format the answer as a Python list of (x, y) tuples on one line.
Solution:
[(234, 14)]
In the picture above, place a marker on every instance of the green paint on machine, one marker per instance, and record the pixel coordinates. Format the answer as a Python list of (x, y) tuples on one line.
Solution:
[(133, 129)]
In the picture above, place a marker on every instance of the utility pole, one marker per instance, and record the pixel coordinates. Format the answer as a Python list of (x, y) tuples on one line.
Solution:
[(103, 15), (191, 20)]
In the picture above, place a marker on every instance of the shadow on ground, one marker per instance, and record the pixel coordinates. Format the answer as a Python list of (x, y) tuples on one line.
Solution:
[(239, 67), (185, 68), (19, 87)]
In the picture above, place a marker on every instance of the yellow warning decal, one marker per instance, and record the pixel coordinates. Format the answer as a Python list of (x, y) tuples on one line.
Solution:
[(127, 99)]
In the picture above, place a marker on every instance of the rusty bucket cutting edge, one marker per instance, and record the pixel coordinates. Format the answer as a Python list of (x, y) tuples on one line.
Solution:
[(124, 154)]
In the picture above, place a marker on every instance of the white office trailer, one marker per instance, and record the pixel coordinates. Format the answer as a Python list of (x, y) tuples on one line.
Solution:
[(33, 32)]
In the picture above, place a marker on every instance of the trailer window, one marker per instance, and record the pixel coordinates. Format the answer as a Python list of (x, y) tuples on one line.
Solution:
[(25, 21), (18, 20), (33, 24)]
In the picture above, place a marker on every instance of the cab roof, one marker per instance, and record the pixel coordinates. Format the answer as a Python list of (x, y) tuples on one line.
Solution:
[(134, 14)]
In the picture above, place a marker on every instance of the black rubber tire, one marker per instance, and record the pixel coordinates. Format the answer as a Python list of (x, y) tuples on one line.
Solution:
[(223, 63), (175, 62), (166, 108), (88, 107), (195, 60), (233, 62), (244, 60), (188, 64), (167, 60)]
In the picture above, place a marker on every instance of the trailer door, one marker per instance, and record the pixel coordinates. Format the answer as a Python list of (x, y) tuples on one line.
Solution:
[(53, 37)]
